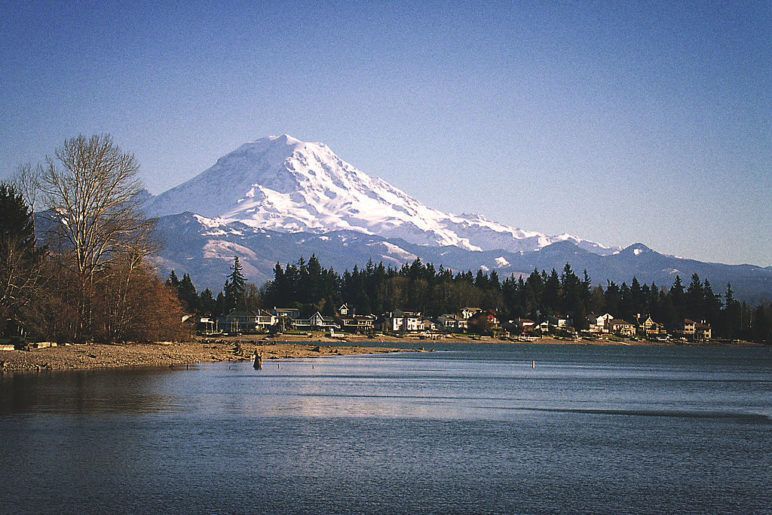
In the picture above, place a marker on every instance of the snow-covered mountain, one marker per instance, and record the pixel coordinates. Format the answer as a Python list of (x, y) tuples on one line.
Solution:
[(282, 184)]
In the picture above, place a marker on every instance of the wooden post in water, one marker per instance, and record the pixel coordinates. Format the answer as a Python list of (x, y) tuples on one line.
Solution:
[(533, 363)]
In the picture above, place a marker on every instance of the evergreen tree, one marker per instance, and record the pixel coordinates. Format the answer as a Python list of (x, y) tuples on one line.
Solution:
[(612, 298), (637, 299), (187, 294), (20, 259), (172, 281), (695, 299), (234, 288), (677, 300), (551, 296), (206, 303), (221, 307), (761, 329), (730, 319), (711, 304)]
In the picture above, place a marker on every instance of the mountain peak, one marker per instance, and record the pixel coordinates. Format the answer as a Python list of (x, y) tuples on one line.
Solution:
[(284, 184), (636, 249), (284, 139)]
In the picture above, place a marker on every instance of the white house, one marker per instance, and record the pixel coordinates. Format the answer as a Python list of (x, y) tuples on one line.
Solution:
[(602, 324), (315, 321), (467, 313), (402, 321)]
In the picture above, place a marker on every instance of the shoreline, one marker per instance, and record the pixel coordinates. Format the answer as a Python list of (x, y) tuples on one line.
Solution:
[(355, 339), (94, 356)]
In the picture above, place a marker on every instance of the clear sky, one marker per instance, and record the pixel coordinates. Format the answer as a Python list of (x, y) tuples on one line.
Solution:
[(615, 121)]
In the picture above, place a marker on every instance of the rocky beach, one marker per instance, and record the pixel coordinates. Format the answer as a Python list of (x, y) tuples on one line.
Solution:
[(94, 356)]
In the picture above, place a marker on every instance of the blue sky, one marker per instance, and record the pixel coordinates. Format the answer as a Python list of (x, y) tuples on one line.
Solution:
[(615, 121)]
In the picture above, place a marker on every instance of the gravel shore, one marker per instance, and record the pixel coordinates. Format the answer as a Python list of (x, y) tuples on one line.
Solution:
[(92, 356)]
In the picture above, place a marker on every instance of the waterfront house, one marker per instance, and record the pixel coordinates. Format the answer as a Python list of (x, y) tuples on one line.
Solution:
[(525, 325), (621, 327), (467, 313), (357, 323), (316, 322), (703, 331), (484, 322), (239, 321), (452, 323), (649, 327), (689, 327), (264, 320), (207, 325), (696, 331), (399, 321), (290, 313), (601, 324)]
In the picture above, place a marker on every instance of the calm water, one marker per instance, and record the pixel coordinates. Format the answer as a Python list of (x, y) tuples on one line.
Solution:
[(463, 429)]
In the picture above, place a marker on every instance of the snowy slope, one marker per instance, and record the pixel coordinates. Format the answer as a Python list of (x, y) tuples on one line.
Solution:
[(282, 184)]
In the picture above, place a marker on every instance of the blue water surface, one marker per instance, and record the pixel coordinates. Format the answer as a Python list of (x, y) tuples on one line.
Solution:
[(460, 429)]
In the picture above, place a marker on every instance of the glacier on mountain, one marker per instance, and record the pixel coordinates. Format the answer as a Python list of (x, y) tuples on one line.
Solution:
[(283, 184)]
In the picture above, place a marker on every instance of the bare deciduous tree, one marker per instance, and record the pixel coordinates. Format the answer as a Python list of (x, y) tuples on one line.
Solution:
[(91, 186)]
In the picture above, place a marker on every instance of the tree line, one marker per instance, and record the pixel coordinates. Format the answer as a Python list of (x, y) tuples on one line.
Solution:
[(434, 291), (91, 281)]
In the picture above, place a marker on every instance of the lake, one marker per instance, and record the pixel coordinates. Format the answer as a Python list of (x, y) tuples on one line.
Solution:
[(461, 429)]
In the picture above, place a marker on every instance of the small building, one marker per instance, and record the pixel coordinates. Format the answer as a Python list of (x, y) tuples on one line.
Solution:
[(697, 331), (399, 321), (239, 321), (650, 328), (264, 320), (428, 325), (207, 325), (452, 323), (344, 310), (703, 332), (467, 313), (316, 321), (525, 325), (357, 323), (621, 327), (601, 324), (484, 322), (290, 313)]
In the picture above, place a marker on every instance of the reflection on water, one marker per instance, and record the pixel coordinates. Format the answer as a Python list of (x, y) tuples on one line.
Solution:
[(464, 429), (86, 392)]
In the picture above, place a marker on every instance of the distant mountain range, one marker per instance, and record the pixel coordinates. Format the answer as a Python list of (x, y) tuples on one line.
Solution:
[(278, 198), (196, 246)]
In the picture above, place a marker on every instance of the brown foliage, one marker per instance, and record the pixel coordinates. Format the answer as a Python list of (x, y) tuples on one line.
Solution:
[(131, 304), (137, 306)]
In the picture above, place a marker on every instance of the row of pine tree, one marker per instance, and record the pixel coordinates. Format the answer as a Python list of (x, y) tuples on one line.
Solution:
[(433, 291)]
